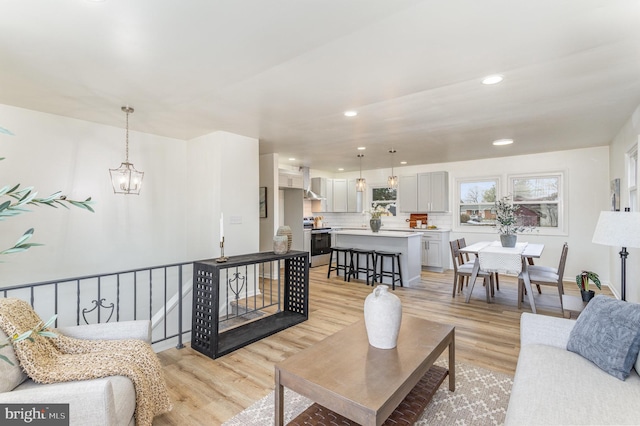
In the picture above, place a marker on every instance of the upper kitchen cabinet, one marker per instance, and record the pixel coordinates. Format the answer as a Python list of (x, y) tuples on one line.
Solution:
[(408, 194), (340, 195), (289, 179), (324, 188), (424, 192), (433, 192)]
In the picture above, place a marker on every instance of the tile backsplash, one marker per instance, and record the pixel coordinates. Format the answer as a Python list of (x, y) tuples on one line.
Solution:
[(361, 220)]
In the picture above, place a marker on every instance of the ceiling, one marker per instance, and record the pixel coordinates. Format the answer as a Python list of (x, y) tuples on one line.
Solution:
[(284, 71)]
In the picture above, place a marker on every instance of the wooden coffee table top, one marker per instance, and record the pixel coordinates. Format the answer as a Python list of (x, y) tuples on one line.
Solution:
[(347, 375)]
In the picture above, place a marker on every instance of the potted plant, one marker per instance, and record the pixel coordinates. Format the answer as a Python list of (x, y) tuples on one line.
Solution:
[(507, 221), (376, 222), (582, 279)]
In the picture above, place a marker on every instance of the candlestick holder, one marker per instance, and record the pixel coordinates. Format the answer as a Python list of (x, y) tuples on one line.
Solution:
[(222, 257)]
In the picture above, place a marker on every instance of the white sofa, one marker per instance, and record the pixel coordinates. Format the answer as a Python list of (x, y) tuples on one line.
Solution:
[(553, 386), (109, 401)]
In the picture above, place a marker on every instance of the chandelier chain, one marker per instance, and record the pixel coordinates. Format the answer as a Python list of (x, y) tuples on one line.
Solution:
[(127, 139)]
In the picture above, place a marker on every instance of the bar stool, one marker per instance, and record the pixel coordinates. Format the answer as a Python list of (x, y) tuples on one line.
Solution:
[(395, 261), (369, 270), (346, 262)]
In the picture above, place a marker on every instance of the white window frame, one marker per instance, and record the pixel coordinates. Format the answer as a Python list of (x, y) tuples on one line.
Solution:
[(561, 229), (459, 227), (370, 193)]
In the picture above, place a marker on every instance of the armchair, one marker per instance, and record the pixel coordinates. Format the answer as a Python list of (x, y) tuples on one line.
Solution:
[(108, 401)]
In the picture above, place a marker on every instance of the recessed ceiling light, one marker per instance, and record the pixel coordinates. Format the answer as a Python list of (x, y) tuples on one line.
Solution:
[(341, 169), (292, 159), (503, 142), (350, 113), (493, 79), (362, 148), (403, 162)]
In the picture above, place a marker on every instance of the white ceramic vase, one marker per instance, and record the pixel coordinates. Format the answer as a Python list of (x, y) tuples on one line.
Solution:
[(280, 243), (382, 317), (508, 240), (286, 230)]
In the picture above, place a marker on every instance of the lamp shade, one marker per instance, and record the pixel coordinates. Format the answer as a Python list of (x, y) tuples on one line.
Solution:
[(618, 229)]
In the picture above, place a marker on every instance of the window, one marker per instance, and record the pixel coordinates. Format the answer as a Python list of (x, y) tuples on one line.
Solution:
[(384, 197), (477, 198), (539, 198)]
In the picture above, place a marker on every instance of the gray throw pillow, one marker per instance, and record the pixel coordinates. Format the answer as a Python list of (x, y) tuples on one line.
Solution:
[(607, 333), (10, 375)]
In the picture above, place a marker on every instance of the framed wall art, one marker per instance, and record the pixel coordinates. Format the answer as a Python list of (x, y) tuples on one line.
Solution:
[(263, 201), (615, 195)]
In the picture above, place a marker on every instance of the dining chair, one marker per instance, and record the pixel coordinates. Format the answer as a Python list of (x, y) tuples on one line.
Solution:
[(464, 257), (530, 263), (544, 275), (462, 243), (461, 270)]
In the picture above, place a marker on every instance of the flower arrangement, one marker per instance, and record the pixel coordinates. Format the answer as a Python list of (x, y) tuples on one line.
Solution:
[(507, 217), (40, 329), (378, 211)]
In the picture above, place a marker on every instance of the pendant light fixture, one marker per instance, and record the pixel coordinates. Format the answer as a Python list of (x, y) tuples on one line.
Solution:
[(392, 181), (126, 179), (361, 183)]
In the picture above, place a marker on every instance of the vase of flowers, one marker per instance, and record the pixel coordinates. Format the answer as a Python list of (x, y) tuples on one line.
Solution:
[(376, 222), (507, 222)]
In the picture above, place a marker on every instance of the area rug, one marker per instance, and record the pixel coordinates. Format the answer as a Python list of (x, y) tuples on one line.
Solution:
[(481, 398)]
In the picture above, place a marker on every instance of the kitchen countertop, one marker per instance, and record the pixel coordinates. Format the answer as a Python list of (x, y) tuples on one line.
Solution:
[(384, 228), (382, 233)]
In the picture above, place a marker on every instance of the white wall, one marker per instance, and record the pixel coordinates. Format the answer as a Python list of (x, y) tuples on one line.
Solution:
[(587, 183), (223, 178), (627, 137), (269, 179), (57, 153), (174, 219)]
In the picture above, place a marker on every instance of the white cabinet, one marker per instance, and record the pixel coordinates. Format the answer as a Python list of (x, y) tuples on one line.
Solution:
[(287, 179), (329, 196), (340, 195), (324, 188), (424, 192), (431, 252), (435, 249), (433, 192), (354, 198), (408, 194)]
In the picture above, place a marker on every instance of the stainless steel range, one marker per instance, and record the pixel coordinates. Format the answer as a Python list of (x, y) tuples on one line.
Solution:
[(319, 243)]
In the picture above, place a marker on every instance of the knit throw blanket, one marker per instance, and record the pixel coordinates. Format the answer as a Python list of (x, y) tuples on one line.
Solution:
[(64, 359)]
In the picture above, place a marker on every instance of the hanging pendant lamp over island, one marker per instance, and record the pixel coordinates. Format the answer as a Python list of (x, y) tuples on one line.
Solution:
[(392, 181), (361, 183), (126, 179)]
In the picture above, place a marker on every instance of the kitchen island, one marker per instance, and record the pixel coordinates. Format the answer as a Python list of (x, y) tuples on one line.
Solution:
[(406, 243)]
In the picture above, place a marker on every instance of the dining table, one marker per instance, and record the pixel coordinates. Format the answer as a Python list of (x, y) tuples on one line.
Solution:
[(501, 259)]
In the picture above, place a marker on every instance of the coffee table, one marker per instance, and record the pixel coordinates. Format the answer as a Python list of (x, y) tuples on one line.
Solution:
[(348, 376)]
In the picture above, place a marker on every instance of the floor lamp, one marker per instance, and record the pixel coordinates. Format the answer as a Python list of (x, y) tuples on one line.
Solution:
[(619, 229)]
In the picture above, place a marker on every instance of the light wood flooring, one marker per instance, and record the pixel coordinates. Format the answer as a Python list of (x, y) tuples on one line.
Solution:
[(209, 392)]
